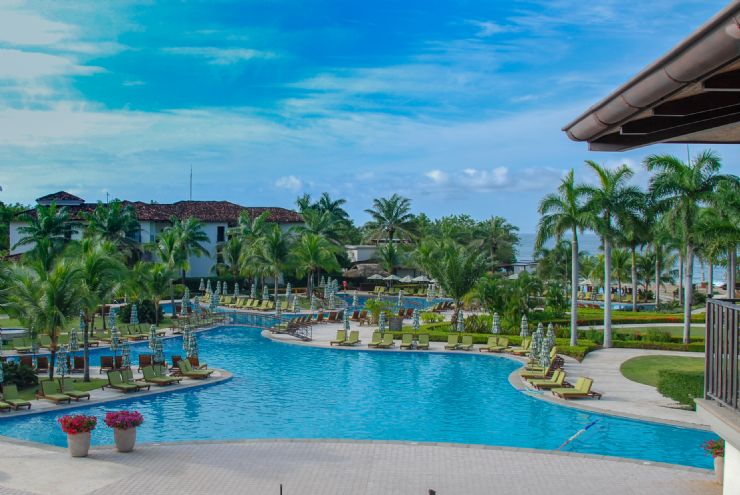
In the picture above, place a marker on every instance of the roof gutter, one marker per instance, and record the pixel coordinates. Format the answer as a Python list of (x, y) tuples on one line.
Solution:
[(709, 48)]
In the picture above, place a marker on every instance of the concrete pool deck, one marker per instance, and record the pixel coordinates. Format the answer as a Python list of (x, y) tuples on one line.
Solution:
[(335, 467)]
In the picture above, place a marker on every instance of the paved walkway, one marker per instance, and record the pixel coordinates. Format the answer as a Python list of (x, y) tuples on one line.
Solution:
[(335, 467)]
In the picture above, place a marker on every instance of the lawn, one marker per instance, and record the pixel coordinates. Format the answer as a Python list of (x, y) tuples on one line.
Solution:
[(644, 369), (93, 384)]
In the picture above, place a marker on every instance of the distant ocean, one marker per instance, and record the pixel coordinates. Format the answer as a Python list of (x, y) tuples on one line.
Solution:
[(590, 243)]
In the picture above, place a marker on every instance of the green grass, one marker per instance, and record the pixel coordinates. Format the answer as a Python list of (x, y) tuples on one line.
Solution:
[(93, 384), (644, 369)]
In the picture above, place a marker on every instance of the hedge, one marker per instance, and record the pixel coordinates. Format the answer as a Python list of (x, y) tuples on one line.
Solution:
[(660, 346), (681, 386)]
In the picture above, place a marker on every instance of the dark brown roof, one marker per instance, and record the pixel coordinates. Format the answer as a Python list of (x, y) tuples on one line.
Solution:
[(60, 196), (206, 211)]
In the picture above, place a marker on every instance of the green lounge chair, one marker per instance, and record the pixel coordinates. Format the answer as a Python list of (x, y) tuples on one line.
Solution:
[(376, 340), (467, 343), (582, 389), (387, 341), (354, 338), (128, 377), (407, 341), (540, 374), (52, 392), (21, 346), (4, 406), (67, 387), (452, 341), (10, 396), (45, 341), (423, 341), (116, 382), (160, 371), (537, 367), (341, 338), (151, 377), (491, 346), (556, 381), (523, 349), (186, 369)]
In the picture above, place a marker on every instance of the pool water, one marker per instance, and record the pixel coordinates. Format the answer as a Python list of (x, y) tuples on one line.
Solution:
[(281, 390)]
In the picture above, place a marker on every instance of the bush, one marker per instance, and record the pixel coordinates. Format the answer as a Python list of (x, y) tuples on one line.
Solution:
[(20, 375), (431, 317), (477, 324), (681, 386), (146, 310), (697, 346)]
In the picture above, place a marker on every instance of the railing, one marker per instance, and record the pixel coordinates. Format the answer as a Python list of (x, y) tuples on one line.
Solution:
[(721, 373)]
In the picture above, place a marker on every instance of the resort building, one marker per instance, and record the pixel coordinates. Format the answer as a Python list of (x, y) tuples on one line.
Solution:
[(217, 218), (691, 95)]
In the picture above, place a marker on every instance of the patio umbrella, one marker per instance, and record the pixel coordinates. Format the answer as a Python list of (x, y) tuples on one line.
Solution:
[(153, 336), (115, 339), (460, 322), (184, 307), (313, 303), (186, 332), (74, 343), (134, 317), (225, 288), (534, 347), (288, 293), (381, 322), (550, 336), (61, 365), (236, 289), (214, 301), (322, 282), (112, 318), (331, 300), (420, 278), (196, 303), (186, 296), (295, 304), (496, 325), (202, 286), (125, 355), (392, 278), (524, 328), (2, 373), (400, 299), (253, 291), (407, 279), (158, 350), (278, 307), (326, 292), (416, 320), (376, 276), (346, 321), (354, 300), (208, 286), (265, 293), (82, 322), (192, 350)]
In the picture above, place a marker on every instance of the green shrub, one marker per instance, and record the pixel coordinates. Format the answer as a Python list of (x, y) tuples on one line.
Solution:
[(431, 317), (20, 375), (697, 346), (657, 336), (681, 386), (146, 311)]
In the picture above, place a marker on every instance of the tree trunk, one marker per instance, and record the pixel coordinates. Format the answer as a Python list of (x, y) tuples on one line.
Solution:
[(172, 299), (183, 278), (634, 279), (731, 272), (607, 293), (710, 283), (156, 311), (86, 350), (102, 315), (688, 292), (681, 271), (574, 291), (657, 277)]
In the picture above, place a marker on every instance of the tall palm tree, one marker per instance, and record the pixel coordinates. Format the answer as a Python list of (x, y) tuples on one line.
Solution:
[(190, 240), (313, 253), (680, 189), (45, 300), (562, 212), (101, 272), (156, 279), (636, 227), (231, 256), (332, 206), (726, 205), (114, 222), (391, 257), (168, 252), (322, 223), (391, 217), (46, 223), (303, 202), (620, 266), (274, 253), (499, 237), (606, 203), (250, 230)]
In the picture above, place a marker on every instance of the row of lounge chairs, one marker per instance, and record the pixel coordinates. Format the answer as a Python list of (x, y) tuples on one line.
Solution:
[(552, 378), (252, 304), (407, 291), (124, 381), (441, 306)]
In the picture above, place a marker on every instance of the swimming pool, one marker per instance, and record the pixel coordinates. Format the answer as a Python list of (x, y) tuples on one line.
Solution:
[(287, 391)]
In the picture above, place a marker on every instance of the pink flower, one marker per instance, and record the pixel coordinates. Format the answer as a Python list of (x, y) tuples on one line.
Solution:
[(124, 420)]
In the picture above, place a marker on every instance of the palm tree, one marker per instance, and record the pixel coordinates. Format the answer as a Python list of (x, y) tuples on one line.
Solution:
[(457, 269), (114, 222), (499, 237), (167, 250), (45, 300), (274, 253), (605, 204), (726, 203), (303, 202), (391, 257), (190, 239), (562, 212), (322, 223), (390, 217), (231, 256), (47, 223), (156, 279), (313, 253), (636, 227), (620, 266), (333, 206), (680, 189), (100, 274)]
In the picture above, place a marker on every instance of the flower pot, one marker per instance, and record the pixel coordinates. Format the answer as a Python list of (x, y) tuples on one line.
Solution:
[(719, 468), (125, 439), (79, 444)]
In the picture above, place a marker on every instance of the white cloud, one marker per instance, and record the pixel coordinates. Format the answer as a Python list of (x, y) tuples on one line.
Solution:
[(220, 56), (17, 64), (489, 28), (25, 28), (289, 182)]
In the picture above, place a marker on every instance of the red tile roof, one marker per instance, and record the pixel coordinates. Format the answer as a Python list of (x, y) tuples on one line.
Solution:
[(60, 196)]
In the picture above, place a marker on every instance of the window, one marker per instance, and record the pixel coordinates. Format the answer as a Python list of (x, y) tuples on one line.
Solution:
[(221, 234)]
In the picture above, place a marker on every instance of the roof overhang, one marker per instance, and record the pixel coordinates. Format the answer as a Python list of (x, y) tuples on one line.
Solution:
[(690, 95)]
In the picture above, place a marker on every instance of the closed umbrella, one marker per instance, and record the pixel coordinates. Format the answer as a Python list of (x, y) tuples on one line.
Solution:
[(416, 320), (295, 304), (346, 321), (186, 299), (208, 286), (355, 302), (74, 343), (253, 291), (125, 355), (225, 288), (115, 339), (214, 301), (278, 307), (236, 289), (61, 367), (192, 351), (313, 303), (322, 282), (112, 318), (265, 293), (332, 300), (400, 299), (381, 322), (496, 325), (158, 350), (550, 336), (134, 318), (186, 331), (202, 286), (524, 328), (153, 336), (460, 322)]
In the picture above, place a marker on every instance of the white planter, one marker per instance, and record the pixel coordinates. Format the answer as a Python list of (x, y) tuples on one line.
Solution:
[(125, 439), (78, 444), (719, 468)]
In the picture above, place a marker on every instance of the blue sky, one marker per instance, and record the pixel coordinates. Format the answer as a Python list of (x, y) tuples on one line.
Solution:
[(455, 104)]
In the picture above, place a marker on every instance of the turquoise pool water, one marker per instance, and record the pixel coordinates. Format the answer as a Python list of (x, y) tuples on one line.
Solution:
[(288, 391)]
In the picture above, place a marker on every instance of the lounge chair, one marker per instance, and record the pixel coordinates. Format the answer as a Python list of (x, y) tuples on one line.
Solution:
[(495, 344), (467, 343), (21, 346), (556, 381), (145, 360), (375, 340), (523, 349), (422, 341), (534, 366), (354, 338), (150, 376), (452, 341), (409, 313), (106, 363), (355, 315), (540, 374), (581, 389), (4, 406), (196, 364), (42, 364), (45, 341), (333, 317), (407, 341), (387, 341), (79, 364), (363, 319), (116, 382), (51, 392), (67, 387), (128, 377), (319, 317), (341, 338), (186, 369), (11, 396)]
